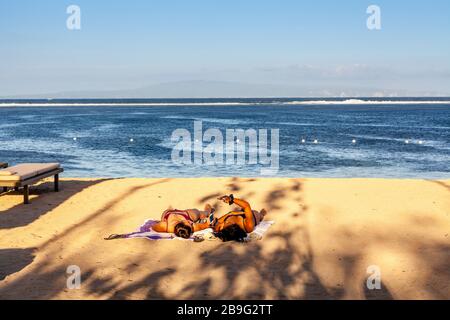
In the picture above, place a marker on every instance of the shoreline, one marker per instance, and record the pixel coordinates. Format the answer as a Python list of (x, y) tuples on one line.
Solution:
[(444, 179)]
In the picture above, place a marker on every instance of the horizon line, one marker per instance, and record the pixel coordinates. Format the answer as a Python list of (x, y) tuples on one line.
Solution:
[(237, 97)]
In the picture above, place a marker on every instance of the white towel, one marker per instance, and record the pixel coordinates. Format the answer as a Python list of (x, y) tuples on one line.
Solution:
[(145, 231)]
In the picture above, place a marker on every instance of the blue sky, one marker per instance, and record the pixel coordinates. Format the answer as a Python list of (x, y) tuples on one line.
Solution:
[(323, 45)]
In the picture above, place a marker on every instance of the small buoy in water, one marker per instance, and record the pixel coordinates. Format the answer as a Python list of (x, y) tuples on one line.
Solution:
[(75, 139), (406, 141), (353, 141), (303, 141), (316, 141), (420, 142), (131, 140)]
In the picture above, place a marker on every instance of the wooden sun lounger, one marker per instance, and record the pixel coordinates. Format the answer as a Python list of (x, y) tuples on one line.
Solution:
[(24, 175)]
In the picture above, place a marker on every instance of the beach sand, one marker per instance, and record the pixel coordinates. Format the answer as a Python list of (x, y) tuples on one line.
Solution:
[(327, 233)]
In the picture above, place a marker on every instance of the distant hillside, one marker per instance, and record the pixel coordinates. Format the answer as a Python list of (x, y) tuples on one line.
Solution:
[(222, 89)]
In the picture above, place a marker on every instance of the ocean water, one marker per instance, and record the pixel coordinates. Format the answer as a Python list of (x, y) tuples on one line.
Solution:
[(401, 138)]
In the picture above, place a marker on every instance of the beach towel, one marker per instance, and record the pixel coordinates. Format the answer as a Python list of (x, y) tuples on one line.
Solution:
[(146, 231)]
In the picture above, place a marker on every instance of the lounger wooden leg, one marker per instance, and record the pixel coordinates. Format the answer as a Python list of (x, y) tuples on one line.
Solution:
[(16, 188), (5, 189), (26, 194), (56, 182)]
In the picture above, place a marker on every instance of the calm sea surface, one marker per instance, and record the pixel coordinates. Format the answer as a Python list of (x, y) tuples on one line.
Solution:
[(400, 138)]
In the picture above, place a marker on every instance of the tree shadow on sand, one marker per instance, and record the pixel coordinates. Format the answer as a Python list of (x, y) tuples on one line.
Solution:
[(283, 265), (14, 260), (22, 215), (441, 183), (48, 272), (377, 294), (285, 273)]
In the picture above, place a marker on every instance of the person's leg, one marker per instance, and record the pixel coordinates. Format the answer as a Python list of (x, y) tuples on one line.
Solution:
[(195, 214), (208, 208), (259, 215), (198, 214)]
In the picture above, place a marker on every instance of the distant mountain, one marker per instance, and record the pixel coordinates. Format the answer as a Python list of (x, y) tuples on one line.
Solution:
[(223, 89)]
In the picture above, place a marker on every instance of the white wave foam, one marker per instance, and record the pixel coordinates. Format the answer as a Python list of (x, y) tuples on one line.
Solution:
[(224, 103), (18, 124), (124, 104), (304, 124), (212, 120), (359, 101)]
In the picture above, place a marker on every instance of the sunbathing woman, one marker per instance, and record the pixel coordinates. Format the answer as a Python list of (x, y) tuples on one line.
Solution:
[(236, 224), (184, 222), (180, 222)]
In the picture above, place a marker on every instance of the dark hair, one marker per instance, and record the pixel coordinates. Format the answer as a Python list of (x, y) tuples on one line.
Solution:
[(232, 232), (182, 230)]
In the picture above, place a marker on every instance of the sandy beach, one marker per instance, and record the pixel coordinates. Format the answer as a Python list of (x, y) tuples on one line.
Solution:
[(327, 232)]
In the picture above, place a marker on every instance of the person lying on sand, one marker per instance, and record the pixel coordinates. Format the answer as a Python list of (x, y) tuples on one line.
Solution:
[(184, 222), (236, 224)]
